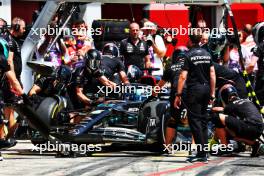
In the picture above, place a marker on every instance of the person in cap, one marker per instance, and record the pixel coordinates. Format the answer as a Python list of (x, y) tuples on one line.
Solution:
[(157, 49)]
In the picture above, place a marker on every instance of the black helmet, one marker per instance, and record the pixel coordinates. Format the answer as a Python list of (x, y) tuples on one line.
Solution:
[(111, 49), (217, 42), (63, 74), (226, 92), (93, 60), (4, 49), (179, 52), (258, 34)]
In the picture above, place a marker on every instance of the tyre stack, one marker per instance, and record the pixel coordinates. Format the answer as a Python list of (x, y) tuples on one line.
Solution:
[(112, 31)]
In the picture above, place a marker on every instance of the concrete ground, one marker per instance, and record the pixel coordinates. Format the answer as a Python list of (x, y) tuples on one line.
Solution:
[(21, 160)]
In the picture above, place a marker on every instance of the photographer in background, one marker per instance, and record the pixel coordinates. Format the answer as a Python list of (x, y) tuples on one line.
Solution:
[(157, 49)]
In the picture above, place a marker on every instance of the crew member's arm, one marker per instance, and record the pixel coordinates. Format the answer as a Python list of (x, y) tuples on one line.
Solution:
[(106, 82), (81, 96), (147, 61), (121, 71), (250, 67), (34, 90), (38, 85), (159, 46), (181, 82), (212, 82), (10, 61), (167, 73), (123, 77), (86, 47), (14, 82), (218, 109), (226, 54)]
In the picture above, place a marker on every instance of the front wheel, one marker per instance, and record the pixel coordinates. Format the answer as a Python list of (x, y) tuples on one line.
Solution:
[(152, 122), (161, 134)]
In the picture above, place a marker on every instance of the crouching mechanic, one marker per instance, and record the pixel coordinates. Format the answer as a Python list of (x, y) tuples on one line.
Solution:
[(171, 74), (87, 79), (55, 84), (240, 119), (8, 78), (112, 66)]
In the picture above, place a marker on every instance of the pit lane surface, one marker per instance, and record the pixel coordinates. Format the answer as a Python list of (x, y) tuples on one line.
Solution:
[(20, 160)]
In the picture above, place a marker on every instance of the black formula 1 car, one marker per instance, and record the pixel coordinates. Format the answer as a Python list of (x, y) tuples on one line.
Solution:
[(113, 121)]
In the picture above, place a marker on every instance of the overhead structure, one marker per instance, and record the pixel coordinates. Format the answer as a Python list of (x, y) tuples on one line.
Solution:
[(198, 2)]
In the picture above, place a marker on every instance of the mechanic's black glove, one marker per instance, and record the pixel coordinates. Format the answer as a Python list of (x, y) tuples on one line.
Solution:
[(26, 100)]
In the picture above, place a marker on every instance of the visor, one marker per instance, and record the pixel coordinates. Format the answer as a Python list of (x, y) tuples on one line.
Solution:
[(93, 64)]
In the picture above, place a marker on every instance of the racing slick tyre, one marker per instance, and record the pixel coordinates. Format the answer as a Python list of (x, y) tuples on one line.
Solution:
[(110, 31), (47, 111), (152, 121)]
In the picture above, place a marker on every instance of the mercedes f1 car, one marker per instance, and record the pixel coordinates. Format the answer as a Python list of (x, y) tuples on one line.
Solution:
[(114, 121)]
